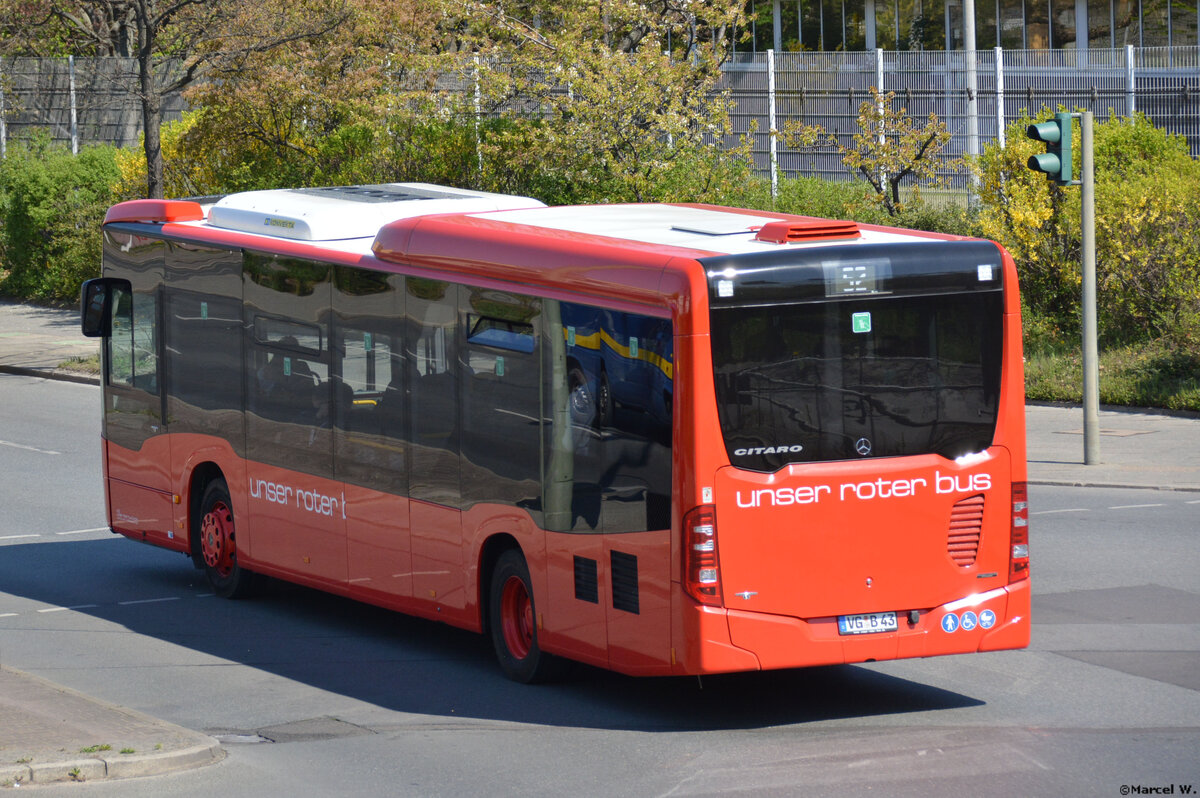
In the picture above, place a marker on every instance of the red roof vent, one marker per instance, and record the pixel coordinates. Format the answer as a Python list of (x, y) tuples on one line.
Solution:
[(787, 231), (155, 210)]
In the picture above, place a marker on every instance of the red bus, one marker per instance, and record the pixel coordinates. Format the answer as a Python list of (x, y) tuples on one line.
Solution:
[(661, 439)]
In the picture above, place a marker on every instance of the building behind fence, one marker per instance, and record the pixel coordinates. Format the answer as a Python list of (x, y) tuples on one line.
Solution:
[(977, 94)]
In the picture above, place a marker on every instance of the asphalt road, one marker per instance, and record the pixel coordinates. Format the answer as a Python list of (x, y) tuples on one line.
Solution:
[(315, 695)]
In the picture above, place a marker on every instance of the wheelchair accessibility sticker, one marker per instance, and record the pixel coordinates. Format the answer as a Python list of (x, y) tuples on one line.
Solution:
[(968, 621)]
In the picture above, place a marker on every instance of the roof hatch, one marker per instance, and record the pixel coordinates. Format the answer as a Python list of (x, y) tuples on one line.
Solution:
[(790, 231)]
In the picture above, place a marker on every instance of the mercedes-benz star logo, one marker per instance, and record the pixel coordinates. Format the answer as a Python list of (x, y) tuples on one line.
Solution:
[(862, 446)]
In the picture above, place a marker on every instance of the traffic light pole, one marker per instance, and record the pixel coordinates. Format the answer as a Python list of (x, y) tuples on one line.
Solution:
[(1091, 357), (1057, 164)]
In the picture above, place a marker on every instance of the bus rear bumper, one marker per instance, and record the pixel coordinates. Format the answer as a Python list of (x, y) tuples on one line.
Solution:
[(991, 621)]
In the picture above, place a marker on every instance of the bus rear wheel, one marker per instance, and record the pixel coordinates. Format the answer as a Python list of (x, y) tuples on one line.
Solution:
[(218, 543), (513, 622)]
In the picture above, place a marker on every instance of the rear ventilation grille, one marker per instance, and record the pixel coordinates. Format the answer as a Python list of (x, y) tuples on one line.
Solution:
[(624, 582), (966, 527)]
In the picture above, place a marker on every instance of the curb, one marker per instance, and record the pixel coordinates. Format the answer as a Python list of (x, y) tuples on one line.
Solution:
[(114, 767), (180, 748), (52, 374), (1083, 483)]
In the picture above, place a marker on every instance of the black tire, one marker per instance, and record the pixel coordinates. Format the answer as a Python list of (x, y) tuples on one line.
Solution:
[(583, 405), (512, 620), (218, 544), (604, 402)]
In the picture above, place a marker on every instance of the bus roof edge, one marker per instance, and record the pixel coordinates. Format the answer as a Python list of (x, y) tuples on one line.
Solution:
[(155, 211)]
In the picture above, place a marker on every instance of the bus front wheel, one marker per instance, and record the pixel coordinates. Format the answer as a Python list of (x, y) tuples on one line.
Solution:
[(513, 622), (218, 543)]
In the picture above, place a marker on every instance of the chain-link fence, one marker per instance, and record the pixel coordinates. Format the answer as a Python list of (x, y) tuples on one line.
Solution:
[(976, 94)]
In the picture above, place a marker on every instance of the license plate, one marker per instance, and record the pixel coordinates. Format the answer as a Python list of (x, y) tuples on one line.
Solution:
[(867, 623)]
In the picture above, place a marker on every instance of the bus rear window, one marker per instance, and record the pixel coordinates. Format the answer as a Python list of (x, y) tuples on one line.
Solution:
[(874, 377)]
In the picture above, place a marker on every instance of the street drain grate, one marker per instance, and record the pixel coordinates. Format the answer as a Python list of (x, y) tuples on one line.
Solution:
[(239, 739), (297, 731), (312, 729)]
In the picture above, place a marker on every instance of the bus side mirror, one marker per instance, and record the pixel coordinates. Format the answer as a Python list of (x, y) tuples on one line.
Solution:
[(95, 306)]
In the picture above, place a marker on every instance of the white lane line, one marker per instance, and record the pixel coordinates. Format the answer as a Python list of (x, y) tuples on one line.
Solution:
[(18, 537), (1133, 506), (28, 448), (147, 601), (8, 615), (83, 531), (1193, 501), (1051, 512), (66, 609)]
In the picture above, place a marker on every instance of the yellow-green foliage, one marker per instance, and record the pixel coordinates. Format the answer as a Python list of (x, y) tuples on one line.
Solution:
[(1147, 230), (188, 171)]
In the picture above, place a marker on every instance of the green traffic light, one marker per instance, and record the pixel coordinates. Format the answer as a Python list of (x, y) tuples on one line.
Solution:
[(1044, 131), (1056, 162), (1046, 162)]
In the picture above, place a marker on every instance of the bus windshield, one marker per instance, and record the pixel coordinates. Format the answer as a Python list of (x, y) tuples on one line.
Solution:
[(909, 364)]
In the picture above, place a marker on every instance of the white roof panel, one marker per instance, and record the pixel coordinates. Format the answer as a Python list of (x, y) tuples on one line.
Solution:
[(673, 225), (338, 213)]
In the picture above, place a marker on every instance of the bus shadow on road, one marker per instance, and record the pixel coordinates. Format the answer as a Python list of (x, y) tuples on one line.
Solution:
[(402, 663)]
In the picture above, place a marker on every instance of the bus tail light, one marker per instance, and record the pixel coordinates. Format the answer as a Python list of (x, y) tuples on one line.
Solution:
[(701, 570), (1018, 559)]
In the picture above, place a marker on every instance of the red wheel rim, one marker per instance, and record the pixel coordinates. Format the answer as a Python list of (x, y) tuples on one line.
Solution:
[(516, 617), (216, 539)]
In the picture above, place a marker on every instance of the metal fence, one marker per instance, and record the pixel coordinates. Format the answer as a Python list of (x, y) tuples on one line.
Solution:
[(75, 100), (827, 89), (976, 94)]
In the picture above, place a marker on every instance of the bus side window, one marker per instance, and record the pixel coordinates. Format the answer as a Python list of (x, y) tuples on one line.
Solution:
[(133, 345), (501, 394), (371, 416), (609, 397), (289, 377), (431, 314)]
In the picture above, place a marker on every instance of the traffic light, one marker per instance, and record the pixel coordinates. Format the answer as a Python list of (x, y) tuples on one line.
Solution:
[(1056, 160)]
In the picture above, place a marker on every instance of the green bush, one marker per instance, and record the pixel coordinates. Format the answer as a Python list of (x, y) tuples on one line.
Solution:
[(51, 206), (1147, 231)]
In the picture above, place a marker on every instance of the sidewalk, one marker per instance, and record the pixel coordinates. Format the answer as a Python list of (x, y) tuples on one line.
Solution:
[(45, 728), (1138, 448), (50, 733), (35, 341)]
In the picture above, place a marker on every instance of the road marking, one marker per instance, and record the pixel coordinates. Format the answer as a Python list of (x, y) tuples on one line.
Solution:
[(148, 601), (8, 615), (1133, 506), (18, 537), (65, 609), (1072, 510), (28, 448), (83, 531), (1194, 501)]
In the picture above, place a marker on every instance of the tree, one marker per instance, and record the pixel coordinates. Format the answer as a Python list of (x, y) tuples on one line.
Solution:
[(359, 104), (601, 99), (888, 148), (175, 42)]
